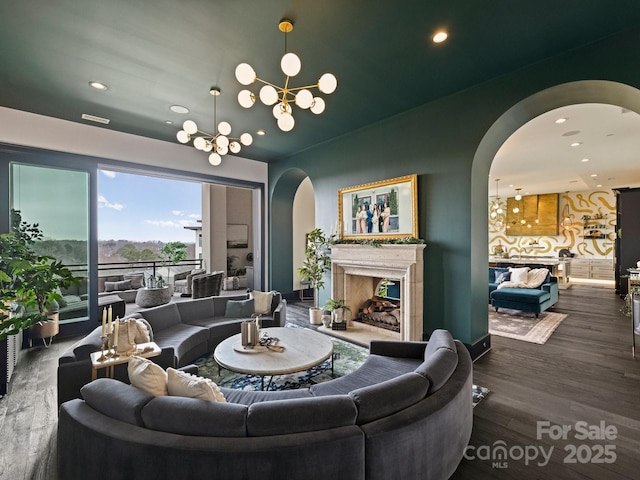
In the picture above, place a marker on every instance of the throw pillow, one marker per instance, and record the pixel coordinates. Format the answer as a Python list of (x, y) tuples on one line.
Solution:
[(519, 275), (198, 271), (147, 376), (262, 301), (240, 308), (502, 277), (183, 384), (117, 286), (137, 279)]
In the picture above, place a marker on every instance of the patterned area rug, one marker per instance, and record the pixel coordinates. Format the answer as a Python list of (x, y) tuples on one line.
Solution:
[(347, 357), (524, 325)]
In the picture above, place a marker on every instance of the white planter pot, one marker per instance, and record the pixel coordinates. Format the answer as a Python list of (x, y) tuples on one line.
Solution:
[(315, 316)]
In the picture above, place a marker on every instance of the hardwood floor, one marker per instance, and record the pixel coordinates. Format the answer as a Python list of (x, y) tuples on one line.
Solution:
[(585, 372)]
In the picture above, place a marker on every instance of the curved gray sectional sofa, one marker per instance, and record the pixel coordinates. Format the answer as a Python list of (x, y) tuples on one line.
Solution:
[(183, 330), (405, 413)]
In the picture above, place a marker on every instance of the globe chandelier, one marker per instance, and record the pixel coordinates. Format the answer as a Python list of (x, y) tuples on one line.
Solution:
[(284, 98), (219, 143), (497, 212)]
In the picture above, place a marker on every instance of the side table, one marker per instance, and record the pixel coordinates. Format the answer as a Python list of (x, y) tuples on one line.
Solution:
[(144, 350), (152, 297)]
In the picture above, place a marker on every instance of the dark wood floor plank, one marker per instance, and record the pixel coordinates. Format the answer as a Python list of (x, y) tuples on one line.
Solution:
[(585, 372)]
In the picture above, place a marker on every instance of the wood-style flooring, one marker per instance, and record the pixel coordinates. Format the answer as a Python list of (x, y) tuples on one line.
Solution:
[(584, 373)]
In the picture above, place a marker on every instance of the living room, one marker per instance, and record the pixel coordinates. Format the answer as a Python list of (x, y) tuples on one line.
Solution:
[(449, 140)]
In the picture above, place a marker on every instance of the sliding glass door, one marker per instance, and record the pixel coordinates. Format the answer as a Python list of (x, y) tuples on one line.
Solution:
[(57, 199)]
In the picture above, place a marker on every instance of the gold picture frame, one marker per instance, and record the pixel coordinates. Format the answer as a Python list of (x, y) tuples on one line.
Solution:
[(379, 210)]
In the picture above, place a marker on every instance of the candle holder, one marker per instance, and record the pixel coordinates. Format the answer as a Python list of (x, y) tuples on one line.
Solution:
[(109, 353), (102, 357)]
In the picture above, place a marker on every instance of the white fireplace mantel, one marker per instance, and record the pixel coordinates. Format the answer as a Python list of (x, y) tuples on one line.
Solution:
[(401, 262)]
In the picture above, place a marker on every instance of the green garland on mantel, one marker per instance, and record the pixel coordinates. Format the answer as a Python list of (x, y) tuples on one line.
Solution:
[(378, 242)]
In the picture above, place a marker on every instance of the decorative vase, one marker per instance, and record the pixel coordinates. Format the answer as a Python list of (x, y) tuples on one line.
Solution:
[(326, 319), (338, 315), (315, 316)]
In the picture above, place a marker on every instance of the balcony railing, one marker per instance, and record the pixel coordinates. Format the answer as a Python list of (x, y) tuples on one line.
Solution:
[(151, 267)]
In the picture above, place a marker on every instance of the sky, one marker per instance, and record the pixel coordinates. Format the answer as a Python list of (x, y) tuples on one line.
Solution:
[(140, 208)]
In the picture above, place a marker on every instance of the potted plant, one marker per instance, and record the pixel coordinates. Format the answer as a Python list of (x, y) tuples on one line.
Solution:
[(317, 261), (337, 309), (30, 284)]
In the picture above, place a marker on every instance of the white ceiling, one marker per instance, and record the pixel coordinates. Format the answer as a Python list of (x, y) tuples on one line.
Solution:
[(539, 158)]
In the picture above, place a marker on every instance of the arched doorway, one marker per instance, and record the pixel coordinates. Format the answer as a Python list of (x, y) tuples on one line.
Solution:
[(588, 91), (281, 229)]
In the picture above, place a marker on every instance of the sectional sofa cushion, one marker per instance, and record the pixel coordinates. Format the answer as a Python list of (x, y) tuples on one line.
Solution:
[(240, 308), (377, 368), (147, 376), (122, 402), (183, 384), (248, 397), (116, 286), (299, 415), (262, 302), (439, 339), (162, 317), (191, 416), (386, 398), (196, 309), (136, 278)]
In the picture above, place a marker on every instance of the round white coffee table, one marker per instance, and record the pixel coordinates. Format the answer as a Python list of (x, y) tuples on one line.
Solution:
[(303, 349)]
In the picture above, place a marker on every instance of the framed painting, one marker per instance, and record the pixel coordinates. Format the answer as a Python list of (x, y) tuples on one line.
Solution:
[(379, 210), (237, 236)]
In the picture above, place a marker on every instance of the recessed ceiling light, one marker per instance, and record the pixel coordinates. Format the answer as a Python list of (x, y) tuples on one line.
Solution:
[(576, 144), (440, 36), (594, 175), (178, 109), (98, 86), (561, 120), (261, 132), (94, 118), (599, 185), (584, 160), (168, 122)]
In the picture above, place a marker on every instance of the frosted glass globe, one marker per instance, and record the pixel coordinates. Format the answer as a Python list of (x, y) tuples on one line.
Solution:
[(280, 109), (327, 83), (268, 95), (190, 126), (222, 150), (222, 141), (290, 64), (200, 143), (318, 106), (245, 74), (246, 99), (246, 139), (224, 128), (286, 122), (304, 99), (208, 146), (215, 159), (516, 210), (183, 137), (234, 147)]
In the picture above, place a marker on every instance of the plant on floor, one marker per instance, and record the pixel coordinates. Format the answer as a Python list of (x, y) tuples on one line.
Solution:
[(29, 283), (317, 260)]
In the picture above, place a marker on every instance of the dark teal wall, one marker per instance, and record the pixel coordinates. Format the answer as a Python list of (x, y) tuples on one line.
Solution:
[(450, 144)]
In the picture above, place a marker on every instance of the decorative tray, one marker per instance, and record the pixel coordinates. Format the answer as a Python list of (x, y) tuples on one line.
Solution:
[(240, 349)]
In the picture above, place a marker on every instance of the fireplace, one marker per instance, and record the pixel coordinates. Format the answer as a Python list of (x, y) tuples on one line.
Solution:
[(356, 271)]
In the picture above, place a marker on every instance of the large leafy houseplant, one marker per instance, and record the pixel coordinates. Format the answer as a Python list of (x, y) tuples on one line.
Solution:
[(316, 263), (29, 283)]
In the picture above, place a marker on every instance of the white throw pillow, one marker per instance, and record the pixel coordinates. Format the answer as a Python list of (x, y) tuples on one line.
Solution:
[(183, 384), (519, 275), (147, 376), (262, 301)]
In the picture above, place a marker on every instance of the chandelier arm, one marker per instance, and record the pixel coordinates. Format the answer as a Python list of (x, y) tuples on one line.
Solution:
[(268, 83), (294, 89)]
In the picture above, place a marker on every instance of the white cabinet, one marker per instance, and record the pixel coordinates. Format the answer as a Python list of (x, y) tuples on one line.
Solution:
[(594, 268)]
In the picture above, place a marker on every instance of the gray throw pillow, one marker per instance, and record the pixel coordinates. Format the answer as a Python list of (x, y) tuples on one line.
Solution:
[(239, 308), (137, 279), (117, 286)]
